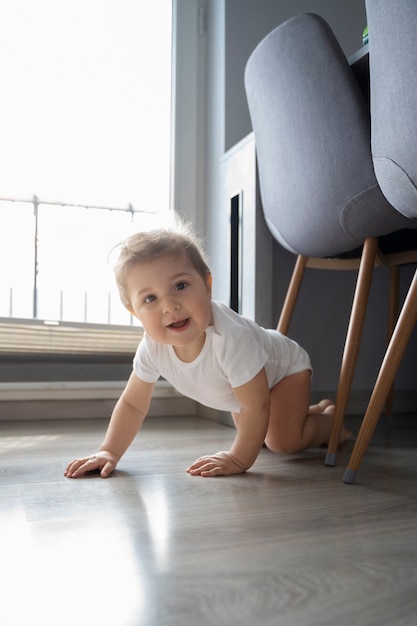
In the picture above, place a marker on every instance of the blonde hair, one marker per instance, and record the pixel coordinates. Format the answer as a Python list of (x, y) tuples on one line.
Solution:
[(147, 245)]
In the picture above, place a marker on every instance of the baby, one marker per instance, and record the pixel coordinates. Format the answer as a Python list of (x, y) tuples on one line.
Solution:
[(209, 353)]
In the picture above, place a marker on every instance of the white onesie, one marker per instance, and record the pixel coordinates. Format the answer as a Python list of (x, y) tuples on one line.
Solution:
[(235, 350)]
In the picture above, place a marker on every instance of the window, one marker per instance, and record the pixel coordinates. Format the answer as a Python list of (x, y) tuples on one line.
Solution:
[(84, 150)]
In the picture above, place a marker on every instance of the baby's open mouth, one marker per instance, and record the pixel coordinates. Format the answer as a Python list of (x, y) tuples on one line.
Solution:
[(180, 324)]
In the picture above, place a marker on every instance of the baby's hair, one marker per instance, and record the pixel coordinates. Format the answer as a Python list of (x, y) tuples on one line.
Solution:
[(147, 245)]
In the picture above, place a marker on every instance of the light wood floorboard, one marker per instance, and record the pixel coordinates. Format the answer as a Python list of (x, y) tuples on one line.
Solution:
[(285, 544)]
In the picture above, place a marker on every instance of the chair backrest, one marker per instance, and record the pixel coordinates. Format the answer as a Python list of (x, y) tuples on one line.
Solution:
[(393, 74), (312, 133)]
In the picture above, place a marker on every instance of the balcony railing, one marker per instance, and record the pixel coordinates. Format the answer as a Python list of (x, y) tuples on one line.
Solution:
[(64, 250)]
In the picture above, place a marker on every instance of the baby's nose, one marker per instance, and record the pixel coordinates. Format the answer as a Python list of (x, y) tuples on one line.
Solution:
[(171, 305)]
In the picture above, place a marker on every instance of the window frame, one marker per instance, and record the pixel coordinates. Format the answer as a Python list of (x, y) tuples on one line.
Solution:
[(188, 110)]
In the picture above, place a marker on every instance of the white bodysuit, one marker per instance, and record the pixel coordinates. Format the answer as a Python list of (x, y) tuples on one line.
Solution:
[(235, 350)]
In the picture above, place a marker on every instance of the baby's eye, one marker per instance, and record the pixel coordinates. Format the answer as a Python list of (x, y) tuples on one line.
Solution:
[(181, 285), (149, 299)]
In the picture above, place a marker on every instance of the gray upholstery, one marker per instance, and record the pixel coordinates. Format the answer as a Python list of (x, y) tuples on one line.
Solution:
[(393, 73), (311, 123)]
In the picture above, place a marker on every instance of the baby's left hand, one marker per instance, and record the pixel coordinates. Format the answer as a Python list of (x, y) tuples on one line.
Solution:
[(219, 464)]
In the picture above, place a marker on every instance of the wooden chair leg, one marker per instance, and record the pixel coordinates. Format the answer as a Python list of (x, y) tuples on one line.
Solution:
[(386, 376), (394, 298), (352, 344), (292, 294)]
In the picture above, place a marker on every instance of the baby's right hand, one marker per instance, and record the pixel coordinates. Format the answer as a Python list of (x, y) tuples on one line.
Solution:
[(104, 461)]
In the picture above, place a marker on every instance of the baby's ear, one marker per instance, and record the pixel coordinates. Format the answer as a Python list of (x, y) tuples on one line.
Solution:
[(209, 283)]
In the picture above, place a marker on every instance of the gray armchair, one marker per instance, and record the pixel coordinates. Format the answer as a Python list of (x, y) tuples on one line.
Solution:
[(393, 84), (319, 193)]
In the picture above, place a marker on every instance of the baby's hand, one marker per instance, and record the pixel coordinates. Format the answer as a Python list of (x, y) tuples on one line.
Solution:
[(104, 461), (219, 464)]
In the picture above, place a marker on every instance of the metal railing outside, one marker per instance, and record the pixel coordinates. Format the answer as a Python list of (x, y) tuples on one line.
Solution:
[(61, 295)]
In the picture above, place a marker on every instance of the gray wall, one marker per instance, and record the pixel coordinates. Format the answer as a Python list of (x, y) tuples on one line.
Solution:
[(248, 21), (234, 29)]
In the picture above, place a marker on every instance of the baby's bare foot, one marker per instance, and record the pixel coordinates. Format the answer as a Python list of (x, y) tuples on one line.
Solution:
[(324, 406), (345, 435), (327, 406)]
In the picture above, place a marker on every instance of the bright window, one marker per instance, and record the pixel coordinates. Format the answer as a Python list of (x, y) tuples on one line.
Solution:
[(85, 121)]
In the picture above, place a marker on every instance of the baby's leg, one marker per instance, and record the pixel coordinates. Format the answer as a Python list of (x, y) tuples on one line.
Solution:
[(294, 425)]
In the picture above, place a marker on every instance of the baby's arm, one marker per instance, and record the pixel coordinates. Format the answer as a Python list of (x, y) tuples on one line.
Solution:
[(126, 420), (251, 429)]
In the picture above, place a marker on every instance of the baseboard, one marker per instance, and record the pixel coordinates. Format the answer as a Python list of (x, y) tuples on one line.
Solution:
[(80, 400), (405, 402), (222, 417)]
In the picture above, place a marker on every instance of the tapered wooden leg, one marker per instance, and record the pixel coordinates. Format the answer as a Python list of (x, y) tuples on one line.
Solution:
[(394, 298), (352, 344), (386, 376), (292, 294)]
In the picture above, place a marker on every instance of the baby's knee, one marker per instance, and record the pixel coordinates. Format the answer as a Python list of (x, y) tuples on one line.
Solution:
[(282, 446)]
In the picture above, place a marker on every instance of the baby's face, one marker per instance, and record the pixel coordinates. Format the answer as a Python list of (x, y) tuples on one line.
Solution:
[(172, 301)]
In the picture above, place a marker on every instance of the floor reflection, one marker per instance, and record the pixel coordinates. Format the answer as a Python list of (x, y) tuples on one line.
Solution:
[(83, 572)]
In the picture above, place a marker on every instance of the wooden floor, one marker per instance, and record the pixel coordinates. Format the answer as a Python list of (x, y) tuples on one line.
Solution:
[(287, 543)]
